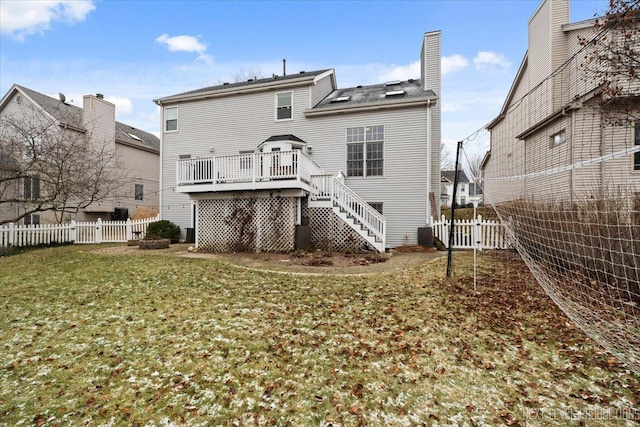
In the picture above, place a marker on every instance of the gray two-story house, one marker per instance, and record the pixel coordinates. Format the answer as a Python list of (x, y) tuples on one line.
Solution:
[(260, 164)]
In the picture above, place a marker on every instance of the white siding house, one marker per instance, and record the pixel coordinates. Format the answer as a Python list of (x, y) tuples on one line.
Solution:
[(255, 165), (551, 141), (136, 154)]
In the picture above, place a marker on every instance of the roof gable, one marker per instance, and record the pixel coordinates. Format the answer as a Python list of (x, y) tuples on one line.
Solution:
[(450, 176)]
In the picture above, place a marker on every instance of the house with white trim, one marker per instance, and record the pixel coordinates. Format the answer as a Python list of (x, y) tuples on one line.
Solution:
[(294, 161), (136, 154)]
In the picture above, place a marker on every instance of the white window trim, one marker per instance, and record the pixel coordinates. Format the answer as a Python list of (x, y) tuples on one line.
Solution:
[(275, 108), (164, 120)]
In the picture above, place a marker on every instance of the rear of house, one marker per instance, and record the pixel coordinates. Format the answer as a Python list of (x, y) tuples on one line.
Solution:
[(293, 161)]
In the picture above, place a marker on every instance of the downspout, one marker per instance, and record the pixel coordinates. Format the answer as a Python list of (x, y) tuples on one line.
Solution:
[(429, 142), (602, 164), (160, 183), (572, 174)]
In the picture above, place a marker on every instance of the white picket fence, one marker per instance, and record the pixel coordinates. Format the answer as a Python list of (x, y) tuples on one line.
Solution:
[(75, 232), (469, 234)]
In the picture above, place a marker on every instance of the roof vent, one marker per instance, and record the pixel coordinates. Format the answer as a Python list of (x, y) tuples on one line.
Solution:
[(393, 82), (394, 93), (359, 86), (249, 80), (410, 80), (225, 83), (302, 72), (99, 96)]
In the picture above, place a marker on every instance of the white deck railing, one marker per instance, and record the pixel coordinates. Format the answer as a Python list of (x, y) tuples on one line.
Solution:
[(469, 234), (76, 232), (329, 187), (251, 167)]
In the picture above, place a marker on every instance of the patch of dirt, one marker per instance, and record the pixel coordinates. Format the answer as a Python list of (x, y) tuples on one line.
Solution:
[(319, 262)]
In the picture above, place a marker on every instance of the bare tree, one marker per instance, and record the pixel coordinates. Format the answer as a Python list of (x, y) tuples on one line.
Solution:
[(612, 61), (447, 163), (46, 166), (253, 73), (474, 166)]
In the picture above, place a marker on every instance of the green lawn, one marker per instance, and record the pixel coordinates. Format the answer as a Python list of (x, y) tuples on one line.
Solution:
[(135, 340)]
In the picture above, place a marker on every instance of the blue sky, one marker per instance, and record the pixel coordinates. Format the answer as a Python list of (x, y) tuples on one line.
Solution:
[(136, 51)]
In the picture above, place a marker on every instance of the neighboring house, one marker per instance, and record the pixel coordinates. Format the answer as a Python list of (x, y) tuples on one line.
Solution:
[(551, 141), (258, 164), (446, 191), (137, 153)]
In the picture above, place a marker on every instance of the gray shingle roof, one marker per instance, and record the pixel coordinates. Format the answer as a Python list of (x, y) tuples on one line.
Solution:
[(71, 115), (374, 94), (272, 79), (450, 175)]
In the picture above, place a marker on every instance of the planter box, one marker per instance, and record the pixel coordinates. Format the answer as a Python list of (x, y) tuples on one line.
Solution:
[(154, 244)]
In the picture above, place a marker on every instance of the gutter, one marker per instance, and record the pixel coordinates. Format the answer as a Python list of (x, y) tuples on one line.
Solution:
[(371, 107)]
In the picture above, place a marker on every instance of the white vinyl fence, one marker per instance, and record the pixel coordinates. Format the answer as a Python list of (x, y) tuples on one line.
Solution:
[(470, 234), (75, 232)]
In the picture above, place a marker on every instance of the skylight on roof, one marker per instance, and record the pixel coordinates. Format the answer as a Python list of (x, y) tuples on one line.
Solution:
[(393, 82), (394, 93), (341, 99), (132, 136)]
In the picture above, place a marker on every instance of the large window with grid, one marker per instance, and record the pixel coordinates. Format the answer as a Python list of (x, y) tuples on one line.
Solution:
[(365, 151)]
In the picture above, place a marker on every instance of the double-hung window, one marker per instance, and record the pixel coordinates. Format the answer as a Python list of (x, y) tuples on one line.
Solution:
[(284, 105), (31, 188), (365, 151), (171, 119)]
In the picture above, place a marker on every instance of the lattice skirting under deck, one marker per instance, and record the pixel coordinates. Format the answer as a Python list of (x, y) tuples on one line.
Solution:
[(246, 225), (330, 232)]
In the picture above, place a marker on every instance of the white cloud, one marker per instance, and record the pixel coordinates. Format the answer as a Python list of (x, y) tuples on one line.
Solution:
[(450, 64), (123, 105), (189, 44), (452, 107), (402, 72), (490, 59), (22, 18)]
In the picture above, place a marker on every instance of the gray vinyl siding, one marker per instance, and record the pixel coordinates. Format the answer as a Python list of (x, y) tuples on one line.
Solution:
[(403, 188), (143, 167), (227, 125), (320, 91)]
